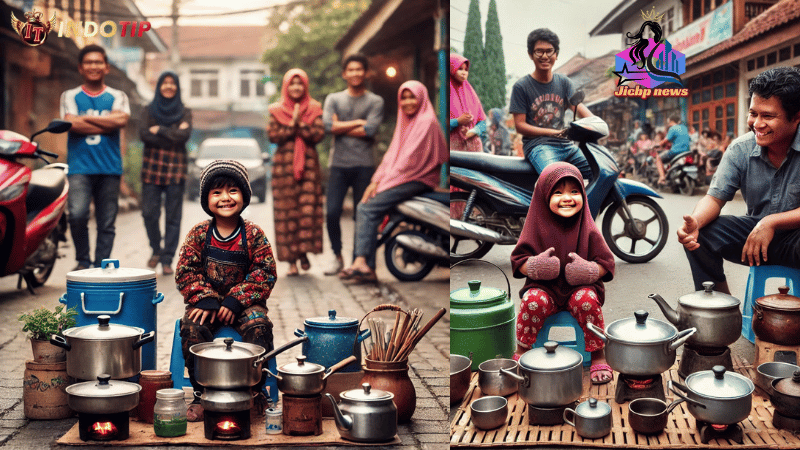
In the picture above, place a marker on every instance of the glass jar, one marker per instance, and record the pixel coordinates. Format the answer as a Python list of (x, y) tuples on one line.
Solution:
[(169, 413)]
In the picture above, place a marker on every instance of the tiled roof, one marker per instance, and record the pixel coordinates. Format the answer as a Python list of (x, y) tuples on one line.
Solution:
[(781, 13), (212, 42)]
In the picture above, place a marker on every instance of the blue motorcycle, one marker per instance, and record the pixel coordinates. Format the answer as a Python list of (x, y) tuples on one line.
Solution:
[(497, 192)]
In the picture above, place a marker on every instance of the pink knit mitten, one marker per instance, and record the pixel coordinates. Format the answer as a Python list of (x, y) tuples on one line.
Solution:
[(544, 266), (580, 272)]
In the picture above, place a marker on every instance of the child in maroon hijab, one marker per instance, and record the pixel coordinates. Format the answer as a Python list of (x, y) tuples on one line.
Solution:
[(565, 260)]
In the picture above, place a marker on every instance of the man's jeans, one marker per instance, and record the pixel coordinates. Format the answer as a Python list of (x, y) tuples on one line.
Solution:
[(173, 210), (543, 155), (370, 214), (725, 237), (339, 181), (104, 189)]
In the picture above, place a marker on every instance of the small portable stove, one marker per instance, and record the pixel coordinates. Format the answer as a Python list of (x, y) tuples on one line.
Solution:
[(302, 416), (227, 414), (104, 427), (631, 387), (710, 431), (548, 416), (785, 423), (694, 359)]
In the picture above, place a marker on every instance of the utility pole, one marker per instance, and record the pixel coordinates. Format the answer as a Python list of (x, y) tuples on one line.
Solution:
[(174, 53)]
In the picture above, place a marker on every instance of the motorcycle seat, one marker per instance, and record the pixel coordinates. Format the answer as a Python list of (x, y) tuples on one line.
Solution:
[(487, 163), (441, 197), (45, 187), (678, 156)]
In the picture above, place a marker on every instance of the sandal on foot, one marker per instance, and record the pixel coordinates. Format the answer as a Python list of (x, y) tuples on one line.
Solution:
[(595, 368), (293, 272), (195, 412), (304, 264), (153, 261)]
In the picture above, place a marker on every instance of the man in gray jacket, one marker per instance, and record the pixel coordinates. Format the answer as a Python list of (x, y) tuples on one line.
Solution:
[(353, 117)]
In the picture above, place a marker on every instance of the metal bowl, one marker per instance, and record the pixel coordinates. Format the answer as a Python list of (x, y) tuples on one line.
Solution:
[(494, 382), (460, 374), (489, 412), (769, 371)]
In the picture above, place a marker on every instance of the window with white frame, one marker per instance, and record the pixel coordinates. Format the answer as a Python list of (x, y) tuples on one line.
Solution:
[(250, 83), (204, 83)]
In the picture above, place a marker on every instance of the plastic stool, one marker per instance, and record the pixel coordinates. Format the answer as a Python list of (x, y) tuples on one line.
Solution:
[(755, 289), (563, 319), (177, 364)]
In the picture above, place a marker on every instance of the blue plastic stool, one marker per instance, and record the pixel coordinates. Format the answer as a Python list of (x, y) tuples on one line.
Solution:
[(177, 364), (563, 319), (755, 289)]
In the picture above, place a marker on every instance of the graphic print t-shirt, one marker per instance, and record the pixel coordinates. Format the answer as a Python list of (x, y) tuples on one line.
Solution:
[(96, 154), (543, 104)]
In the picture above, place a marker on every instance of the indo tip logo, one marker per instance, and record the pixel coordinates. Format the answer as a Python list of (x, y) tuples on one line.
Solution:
[(33, 31)]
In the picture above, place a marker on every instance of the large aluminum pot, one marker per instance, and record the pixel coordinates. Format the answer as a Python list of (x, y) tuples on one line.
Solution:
[(776, 318), (716, 396), (715, 315), (103, 396), (104, 348), (305, 378), (550, 376), (365, 415), (460, 375), (226, 364), (641, 346)]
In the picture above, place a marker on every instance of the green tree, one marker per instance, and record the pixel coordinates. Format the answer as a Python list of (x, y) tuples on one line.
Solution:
[(473, 50), (495, 94)]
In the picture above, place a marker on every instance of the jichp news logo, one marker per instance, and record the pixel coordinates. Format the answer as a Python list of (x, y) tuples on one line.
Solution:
[(33, 31)]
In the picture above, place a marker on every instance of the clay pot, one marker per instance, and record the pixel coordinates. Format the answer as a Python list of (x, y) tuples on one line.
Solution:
[(46, 353), (44, 391), (776, 318), (393, 377)]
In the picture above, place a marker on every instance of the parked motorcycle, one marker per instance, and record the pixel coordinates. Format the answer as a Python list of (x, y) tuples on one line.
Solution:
[(498, 190), (420, 243), (681, 173), (31, 207)]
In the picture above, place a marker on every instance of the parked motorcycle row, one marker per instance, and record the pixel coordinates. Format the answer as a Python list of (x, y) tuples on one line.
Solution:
[(684, 173)]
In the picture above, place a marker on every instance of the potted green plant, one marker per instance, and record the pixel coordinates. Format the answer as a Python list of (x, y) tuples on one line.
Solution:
[(42, 323)]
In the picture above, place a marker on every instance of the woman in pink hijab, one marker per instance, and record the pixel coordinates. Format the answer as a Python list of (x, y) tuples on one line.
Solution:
[(410, 167), (467, 119)]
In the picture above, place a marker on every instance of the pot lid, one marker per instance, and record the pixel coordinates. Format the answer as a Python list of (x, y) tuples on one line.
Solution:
[(475, 294), (781, 301), (215, 400), (789, 386), (367, 394), (104, 387), (640, 329), (103, 330), (550, 358), (302, 367), (592, 409), (331, 321), (708, 298), (110, 272), (719, 383), (227, 349), (171, 394)]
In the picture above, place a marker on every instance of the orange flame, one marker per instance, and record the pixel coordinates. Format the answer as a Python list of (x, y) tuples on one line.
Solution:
[(228, 427), (104, 428)]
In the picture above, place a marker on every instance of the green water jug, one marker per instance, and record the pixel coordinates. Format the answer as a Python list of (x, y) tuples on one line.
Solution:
[(482, 321)]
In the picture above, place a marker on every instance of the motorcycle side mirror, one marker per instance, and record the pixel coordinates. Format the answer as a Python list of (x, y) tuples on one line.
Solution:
[(577, 98), (57, 126)]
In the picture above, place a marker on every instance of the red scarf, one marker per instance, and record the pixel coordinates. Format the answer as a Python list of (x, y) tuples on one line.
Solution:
[(283, 110), (544, 229)]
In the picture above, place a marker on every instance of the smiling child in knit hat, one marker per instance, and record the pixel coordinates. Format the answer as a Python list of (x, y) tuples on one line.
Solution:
[(226, 271)]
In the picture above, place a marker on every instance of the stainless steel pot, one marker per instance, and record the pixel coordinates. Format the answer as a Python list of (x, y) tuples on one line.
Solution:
[(225, 401), (650, 415), (104, 348), (591, 419), (488, 413), (305, 378), (785, 396), (365, 415), (103, 396), (550, 376), (494, 382), (641, 346), (226, 364), (460, 374), (716, 316), (716, 396)]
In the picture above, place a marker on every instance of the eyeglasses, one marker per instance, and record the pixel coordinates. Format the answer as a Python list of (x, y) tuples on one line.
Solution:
[(540, 52)]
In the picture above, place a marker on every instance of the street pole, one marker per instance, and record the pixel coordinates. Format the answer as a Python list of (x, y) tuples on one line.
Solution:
[(174, 53)]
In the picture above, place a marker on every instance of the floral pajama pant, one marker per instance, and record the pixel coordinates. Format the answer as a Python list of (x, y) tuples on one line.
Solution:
[(537, 305)]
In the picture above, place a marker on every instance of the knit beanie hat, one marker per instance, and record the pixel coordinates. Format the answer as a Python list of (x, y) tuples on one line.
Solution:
[(226, 167)]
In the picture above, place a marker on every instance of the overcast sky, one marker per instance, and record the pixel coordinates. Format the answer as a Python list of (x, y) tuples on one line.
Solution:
[(571, 20), (192, 7)]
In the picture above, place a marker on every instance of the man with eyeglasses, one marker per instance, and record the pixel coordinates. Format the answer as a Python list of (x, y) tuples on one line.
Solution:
[(765, 165), (538, 104)]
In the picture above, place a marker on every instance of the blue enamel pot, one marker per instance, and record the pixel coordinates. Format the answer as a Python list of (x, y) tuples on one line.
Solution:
[(332, 339)]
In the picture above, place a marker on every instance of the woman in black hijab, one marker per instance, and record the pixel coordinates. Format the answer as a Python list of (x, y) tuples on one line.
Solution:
[(166, 126)]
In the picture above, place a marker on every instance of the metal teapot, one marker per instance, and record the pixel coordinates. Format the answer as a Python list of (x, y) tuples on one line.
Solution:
[(365, 415)]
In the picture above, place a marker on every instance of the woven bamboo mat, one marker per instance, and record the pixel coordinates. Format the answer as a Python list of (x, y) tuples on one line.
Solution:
[(681, 431)]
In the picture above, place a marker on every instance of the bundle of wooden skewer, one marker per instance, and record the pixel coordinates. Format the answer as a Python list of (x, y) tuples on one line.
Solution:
[(396, 343)]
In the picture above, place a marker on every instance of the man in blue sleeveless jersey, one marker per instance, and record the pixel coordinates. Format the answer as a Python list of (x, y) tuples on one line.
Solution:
[(97, 113)]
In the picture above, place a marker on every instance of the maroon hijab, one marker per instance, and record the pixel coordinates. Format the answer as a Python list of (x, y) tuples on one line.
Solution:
[(544, 229)]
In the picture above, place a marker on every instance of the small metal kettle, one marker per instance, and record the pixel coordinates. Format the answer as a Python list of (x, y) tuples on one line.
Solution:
[(365, 415)]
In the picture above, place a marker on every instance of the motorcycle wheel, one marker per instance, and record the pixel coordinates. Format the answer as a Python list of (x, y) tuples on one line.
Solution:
[(650, 227), (44, 267), (404, 264), (686, 186), (463, 248)]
